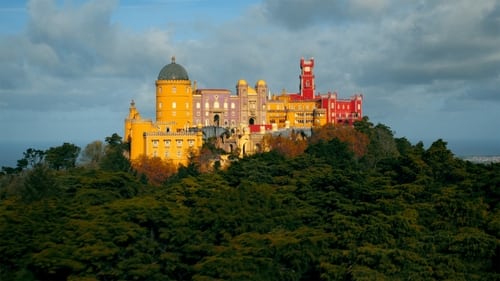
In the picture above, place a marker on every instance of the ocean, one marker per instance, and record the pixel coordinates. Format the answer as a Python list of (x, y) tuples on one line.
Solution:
[(11, 151)]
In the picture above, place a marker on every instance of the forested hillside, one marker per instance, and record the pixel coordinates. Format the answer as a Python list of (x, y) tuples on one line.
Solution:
[(351, 204)]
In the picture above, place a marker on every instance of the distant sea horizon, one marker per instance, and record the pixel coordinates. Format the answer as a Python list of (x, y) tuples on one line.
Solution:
[(11, 151)]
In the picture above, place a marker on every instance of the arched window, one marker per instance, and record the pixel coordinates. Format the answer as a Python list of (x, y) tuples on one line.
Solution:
[(216, 120)]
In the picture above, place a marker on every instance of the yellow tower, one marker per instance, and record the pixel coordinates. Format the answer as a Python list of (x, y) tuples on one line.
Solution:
[(174, 98), (169, 136)]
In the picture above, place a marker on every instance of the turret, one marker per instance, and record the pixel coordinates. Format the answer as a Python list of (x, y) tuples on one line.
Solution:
[(307, 85)]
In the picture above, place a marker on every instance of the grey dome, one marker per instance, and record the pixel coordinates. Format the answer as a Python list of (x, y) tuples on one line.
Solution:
[(173, 71)]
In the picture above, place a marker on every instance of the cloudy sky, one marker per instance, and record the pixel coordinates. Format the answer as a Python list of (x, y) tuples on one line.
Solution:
[(427, 69)]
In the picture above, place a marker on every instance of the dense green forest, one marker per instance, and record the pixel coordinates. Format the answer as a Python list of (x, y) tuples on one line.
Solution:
[(353, 203)]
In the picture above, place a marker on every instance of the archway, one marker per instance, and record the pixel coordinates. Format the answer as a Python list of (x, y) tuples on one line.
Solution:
[(251, 121), (216, 120), (258, 148)]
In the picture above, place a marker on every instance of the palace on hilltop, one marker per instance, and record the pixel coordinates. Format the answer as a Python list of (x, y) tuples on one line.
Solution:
[(185, 115)]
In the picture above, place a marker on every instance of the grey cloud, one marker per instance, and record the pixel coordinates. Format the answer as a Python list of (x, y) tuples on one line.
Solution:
[(490, 23), (482, 91), (298, 14), (439, 42)]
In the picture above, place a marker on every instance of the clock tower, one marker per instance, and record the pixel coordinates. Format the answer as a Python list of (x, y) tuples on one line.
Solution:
[(307, 78)]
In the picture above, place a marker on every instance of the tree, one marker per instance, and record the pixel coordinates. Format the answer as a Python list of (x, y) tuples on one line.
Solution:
[(364, 125), (156, 170), (114, 157), (382, 145), (93, 153), (31, 158), (444, 166), (62, 157), (39, 183), (334, 152), (289, 146), (422, 215), (8, 170), (114, 140), (356, 140), (207, 157), (34, 157)]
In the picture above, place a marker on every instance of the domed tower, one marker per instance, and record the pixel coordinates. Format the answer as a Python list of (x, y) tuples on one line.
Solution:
[(174, 97), (242, 93)]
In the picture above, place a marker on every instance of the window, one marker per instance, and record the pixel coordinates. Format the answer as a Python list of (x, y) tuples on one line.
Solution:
[(155, 153), (174, 90), (198, 105), (155, 143), (187, 105), (225, 105), (191, 143), (233, 106), (167, 143), (216, 104), (178, 142), (207, 106), (174, 104), (167, 154), (179, 154), (160, 105)]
